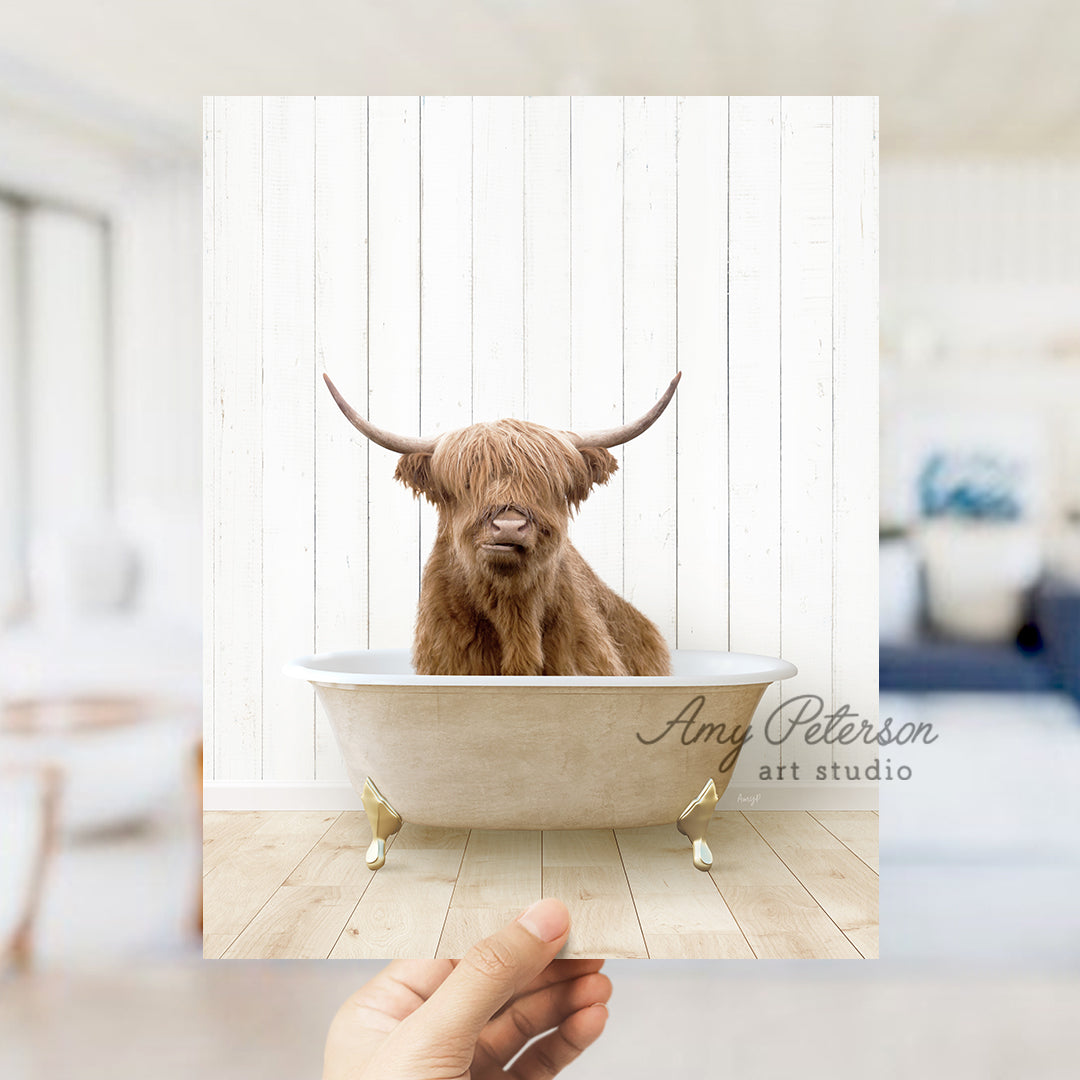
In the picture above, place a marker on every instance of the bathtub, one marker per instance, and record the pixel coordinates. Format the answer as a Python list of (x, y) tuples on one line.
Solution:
[(539, 752)]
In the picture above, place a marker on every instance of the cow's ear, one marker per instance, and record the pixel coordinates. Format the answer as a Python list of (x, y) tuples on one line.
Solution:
[(414, 471), (599, 465)]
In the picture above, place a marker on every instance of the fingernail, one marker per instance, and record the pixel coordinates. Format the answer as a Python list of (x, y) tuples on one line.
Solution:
[(546, 919)]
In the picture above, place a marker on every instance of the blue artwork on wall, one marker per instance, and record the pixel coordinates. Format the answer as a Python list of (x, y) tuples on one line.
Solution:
[(970, 485)]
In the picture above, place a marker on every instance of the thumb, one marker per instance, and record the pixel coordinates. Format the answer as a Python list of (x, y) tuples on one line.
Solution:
[(491, 973)]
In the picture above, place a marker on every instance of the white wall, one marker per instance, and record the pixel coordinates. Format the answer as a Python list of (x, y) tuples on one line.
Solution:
[(451, 260)]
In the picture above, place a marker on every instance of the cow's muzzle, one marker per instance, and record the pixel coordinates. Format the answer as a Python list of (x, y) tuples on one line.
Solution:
[(510, 531)]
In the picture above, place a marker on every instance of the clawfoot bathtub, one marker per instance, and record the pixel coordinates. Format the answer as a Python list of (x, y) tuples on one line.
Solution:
[(539, 752)]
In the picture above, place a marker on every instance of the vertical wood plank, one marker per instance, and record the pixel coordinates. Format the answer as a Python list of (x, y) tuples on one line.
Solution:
[(547, 261), (754, 400), (649, 276), (806, 406), (446, 286), (237, 420), (855, 434), (596, 313), (288, 457), (702, 583), (394, 363), (341, 346), (498, 258)]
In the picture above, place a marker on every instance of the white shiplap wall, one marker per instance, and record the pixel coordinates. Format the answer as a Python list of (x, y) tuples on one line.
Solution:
[(451, 260)]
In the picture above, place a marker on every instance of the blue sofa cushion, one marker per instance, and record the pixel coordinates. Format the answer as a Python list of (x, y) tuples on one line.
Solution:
[(1057, 610), (948, 665)]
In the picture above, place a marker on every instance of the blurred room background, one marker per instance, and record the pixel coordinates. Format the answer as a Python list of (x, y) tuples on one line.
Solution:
[(980, 548), (100, 503), (100, 414)]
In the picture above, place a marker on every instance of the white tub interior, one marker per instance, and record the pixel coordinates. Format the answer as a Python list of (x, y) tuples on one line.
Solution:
[(392, 667)]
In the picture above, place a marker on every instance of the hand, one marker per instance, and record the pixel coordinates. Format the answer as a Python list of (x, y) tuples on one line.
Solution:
[(465, 1020)]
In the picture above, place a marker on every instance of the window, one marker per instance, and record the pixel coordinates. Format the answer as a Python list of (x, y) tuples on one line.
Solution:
[(56, 458)]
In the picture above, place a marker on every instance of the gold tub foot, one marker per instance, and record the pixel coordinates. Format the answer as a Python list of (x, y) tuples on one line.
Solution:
[(694, 820), (384, 821)]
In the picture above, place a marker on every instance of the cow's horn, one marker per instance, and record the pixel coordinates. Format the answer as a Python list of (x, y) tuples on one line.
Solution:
[(400, 444), (618, 436)]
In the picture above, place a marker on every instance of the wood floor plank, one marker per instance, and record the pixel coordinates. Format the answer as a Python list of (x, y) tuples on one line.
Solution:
[(784, 884), (250, 869), (225, 830), (741, 856), (797, 946), (696, 946), (584, 870), (672, 898), (784, 921), (857, 830), (844, 886), (775, 912), (338, 858), (792, 829), (232, 824), (865, 939), (216, 944), (402, 911), (500, 876), (299, 922)]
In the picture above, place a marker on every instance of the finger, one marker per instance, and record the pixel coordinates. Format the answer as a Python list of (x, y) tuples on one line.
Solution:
[(397, 991), (369, 1015), (557, 971), (492, 972), (563, 968), (535, 1013), (550, 1055)]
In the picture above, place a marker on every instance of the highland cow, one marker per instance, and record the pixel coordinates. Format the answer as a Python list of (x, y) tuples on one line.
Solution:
[(504, 591)]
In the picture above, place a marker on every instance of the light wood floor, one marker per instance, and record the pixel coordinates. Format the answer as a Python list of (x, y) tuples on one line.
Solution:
[(785, 884)]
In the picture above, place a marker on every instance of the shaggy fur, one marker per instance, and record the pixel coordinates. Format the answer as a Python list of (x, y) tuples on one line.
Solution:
[(535, 608)]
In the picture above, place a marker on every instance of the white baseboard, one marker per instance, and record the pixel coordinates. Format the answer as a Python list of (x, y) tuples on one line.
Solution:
[(775, 795), (278, 795), (799, 795)]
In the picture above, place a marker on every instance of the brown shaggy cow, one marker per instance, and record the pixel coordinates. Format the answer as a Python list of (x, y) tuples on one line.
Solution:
[(504, 591)]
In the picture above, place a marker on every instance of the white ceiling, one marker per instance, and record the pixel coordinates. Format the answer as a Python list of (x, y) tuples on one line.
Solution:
[(954, 76)]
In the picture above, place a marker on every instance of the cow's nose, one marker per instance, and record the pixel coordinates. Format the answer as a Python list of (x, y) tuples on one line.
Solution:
[(509, 527)]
